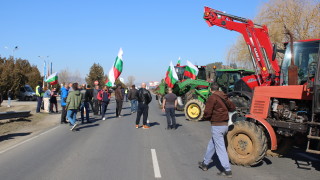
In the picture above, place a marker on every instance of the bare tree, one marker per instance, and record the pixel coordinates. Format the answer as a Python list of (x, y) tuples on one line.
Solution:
[(64, 76), (301, 17), (130, 81)]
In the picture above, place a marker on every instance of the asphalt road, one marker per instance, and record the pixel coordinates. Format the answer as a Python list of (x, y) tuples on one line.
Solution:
[(115, 150)]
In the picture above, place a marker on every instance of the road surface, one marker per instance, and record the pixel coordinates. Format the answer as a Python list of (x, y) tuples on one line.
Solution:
[(115, 150)]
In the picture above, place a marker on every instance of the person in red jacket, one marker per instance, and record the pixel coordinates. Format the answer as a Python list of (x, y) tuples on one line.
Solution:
[(104, 96), (217, 107)]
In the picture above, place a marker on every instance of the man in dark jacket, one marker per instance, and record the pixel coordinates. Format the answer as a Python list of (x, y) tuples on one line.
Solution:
[(132, 96), (119, 100), (217, 107), (144, 98), (96, 103)]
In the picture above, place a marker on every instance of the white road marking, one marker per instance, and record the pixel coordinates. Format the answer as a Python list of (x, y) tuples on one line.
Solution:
[(156, 167), (34, 137)]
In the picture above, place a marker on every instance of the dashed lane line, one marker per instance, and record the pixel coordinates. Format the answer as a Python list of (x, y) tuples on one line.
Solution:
[(155, 163)]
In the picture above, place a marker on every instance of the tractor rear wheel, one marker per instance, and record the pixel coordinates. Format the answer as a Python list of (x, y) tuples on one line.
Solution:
[(247, 144), (194, 110)]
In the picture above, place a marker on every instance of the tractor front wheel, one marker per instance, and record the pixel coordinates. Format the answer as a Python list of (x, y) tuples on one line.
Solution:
[(194, 110), (247, 144)]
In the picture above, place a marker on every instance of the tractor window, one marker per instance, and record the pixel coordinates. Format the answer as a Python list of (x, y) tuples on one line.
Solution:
[(180, 72), (305, 53), (202, 74)]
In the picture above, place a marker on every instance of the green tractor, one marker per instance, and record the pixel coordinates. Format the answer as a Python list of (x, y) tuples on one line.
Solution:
[(184, 88), (192, 94)]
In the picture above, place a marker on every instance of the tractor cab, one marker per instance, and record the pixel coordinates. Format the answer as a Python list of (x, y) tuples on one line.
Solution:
[(180, 72), (306, 57), (227, 78)]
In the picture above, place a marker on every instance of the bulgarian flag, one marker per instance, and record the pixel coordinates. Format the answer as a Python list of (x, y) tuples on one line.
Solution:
[(171, 76), (179, 62), (52, 79), (191, 70), (116, 70)]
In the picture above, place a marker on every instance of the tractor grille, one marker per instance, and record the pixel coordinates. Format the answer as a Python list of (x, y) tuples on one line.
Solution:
[(258, 107)]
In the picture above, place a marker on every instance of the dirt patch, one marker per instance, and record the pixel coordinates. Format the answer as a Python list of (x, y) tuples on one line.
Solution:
[(13, 131)]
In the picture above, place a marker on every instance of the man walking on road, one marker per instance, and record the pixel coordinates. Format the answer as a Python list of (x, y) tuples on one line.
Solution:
[(104, 97), (119, 100), (39, 93), (96, 103), (73, 104), (169, 105), (63, 96), (216, 111), (132, 96), (144, 98)]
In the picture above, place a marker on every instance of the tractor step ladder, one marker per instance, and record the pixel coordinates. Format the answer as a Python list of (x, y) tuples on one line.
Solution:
[(314, 126)]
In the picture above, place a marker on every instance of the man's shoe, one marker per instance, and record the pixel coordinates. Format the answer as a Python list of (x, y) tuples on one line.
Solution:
[(119, 116), (103, 119), (203, 166), (137, 126), (74, 126), (225, 173), (168, 127), (145, 127)]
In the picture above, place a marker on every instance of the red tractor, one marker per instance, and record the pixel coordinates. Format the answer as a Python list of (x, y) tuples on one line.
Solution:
[(285, 103)]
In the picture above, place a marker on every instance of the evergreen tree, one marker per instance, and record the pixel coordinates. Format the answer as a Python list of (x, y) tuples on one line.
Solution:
[(96, 74)]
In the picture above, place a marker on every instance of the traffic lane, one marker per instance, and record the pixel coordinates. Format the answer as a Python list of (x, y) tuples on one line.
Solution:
[(109, 150), (185, 157)]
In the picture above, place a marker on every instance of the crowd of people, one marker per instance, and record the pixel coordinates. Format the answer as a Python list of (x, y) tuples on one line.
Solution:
[(82, 98), (76, 98)]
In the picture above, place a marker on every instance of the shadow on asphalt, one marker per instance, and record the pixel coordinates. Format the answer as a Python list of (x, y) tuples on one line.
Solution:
[(12, 136), (304, 160), (154, 124), (20, 120), (180, 115), (87, 126)]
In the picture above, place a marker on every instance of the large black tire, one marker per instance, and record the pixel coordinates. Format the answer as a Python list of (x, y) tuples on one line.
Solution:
[(194, 110), (242, 104), (247, 144), (180, 104)]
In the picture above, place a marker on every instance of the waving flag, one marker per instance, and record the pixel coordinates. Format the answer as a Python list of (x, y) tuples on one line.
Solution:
[(191, 70), (52, 79), (171, 76), (179, 62), (116, 70)]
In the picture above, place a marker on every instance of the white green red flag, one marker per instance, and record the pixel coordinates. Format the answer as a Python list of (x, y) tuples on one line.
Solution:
[(171, 76), (116, 70), (191, 70), (179, 61), (52, 79)]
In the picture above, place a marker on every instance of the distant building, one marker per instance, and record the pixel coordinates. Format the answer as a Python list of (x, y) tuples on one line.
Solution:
[(153, 84)]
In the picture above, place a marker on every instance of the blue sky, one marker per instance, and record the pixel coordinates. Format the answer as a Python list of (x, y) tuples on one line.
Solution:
[(77, 33)]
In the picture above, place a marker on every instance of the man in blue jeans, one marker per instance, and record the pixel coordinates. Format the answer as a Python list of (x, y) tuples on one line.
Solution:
[(169, 105), (132, 96), (217, 107), (73, 104)]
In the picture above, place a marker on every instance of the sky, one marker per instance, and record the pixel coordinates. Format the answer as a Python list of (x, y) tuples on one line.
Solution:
[(74, 34)]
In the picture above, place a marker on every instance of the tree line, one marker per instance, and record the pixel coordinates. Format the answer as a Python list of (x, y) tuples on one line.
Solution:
[(14, 73)]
